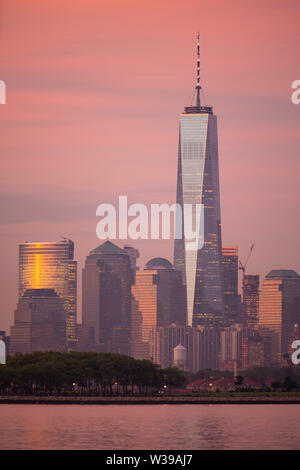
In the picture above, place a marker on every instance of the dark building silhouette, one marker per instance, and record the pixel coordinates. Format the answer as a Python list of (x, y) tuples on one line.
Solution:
[(40, 323), (250, 300), (106, 299), (230, 284), (158, 299)]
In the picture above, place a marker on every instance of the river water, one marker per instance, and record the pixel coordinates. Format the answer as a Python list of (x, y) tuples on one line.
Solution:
[(166, 427)]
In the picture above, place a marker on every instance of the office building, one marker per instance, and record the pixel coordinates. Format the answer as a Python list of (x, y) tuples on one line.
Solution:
[(200, 260), (230, 284), (106, 299), (202, 346), (250, 300), (39, 323), (279, 311), (50, 265), (158, 299)]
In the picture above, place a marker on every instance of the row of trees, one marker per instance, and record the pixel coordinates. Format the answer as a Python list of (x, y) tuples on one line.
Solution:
[(84, 373)]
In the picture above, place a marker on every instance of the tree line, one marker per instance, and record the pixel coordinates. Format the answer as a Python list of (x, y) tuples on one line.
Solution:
[(84, 373)]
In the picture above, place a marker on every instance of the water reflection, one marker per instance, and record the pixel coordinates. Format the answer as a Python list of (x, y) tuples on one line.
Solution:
[(149, 427)]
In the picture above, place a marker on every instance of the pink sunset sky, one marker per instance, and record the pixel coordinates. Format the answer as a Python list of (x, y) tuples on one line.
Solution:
[(94, 94)]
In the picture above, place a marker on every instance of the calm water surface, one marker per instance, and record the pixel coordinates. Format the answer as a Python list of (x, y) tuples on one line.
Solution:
[(149, 426)]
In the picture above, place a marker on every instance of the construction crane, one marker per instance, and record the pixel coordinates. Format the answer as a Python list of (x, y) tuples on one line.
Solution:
[(243, 266)]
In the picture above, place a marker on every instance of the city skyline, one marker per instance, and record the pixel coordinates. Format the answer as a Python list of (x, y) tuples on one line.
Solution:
[(44, 201)]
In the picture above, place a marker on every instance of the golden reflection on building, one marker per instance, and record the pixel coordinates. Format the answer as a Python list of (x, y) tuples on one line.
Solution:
[(50, 265)]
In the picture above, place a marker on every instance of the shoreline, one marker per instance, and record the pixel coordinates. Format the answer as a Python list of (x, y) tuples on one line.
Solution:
[(171, 400)]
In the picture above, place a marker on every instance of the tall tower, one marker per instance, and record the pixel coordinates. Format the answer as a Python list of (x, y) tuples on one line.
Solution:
[(50, 265), (250, 300), (230, 284), (106, 298), (198, 183)]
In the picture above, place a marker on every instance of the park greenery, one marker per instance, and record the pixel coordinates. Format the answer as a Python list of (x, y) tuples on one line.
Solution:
[(84, 373), (105, 374)]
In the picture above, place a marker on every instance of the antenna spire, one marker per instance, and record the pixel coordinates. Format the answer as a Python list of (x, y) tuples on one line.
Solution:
[(198, 86)]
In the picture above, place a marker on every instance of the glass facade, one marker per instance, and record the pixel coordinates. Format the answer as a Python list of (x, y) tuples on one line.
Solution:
[(198, 183), (279, 311), (50, 265)]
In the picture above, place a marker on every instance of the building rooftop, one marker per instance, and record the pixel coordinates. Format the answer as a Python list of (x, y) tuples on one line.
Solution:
[(179, 347), (158, 263), (282, 273), (107, 247)]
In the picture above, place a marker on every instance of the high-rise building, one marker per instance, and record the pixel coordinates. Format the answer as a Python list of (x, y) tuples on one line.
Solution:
[(279, 311), (250, 300), (230, 284), (133, 254), (158, 299), (198, 185), (202, 345), (50, 265), (230, 346), (106, 299), (39, 323)]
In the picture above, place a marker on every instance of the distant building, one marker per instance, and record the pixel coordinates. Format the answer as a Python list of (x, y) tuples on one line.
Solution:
[(133, 254), (39, 323), (279, 310), (106, 299), (230, 284), (231, 347), (50, 265), (202, 346), (253, 349), (250, 300), (158, 299)]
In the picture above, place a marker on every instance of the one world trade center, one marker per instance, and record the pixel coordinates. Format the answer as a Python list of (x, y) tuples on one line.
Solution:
[(198, 184)]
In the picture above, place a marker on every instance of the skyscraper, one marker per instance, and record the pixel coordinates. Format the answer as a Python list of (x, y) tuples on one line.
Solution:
[(250, 300), (106, 298), (39, 323), (50, 265), (198, 184), (230, 284), (279, 311), (158, 299)]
